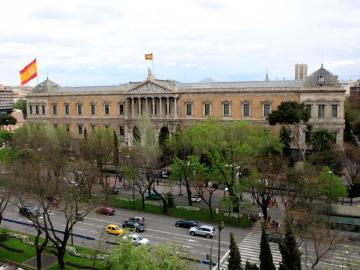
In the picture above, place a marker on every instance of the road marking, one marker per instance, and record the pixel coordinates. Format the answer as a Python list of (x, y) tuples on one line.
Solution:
[(222, 259)]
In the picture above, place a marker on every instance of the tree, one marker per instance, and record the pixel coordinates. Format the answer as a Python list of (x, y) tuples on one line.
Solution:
[(234, 260), (251, 266), (351, 170), (126, 256), (43, 173), (285, 139), (294, 116), (265, 257), (6, 119), (290, 253), (21, 105)]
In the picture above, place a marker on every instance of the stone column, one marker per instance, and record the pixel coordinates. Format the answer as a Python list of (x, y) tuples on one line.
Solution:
[(139, 100), (175, 107), (160, 111), (153, 106), (167, 106), (132, 107), (147, 105), (126, 108)]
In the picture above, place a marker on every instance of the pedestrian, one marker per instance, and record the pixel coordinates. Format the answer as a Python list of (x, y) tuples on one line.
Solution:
[(270, 203), (276, 226)]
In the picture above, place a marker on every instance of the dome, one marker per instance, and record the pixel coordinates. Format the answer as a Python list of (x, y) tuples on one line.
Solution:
[(320, 78), (45, 86)]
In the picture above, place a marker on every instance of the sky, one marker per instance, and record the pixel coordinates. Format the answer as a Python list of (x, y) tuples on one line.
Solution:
[(87, 42)]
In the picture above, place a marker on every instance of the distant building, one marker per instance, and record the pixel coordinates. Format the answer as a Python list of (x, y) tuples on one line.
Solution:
[(300, 71), (6, 99), (355, 92), (170, 103)]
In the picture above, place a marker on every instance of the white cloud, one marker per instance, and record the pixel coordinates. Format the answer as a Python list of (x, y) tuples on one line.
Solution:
[(102, 42)]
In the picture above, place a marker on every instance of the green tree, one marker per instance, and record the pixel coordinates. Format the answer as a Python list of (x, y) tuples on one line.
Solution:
[(251, 266), (126, 256), (330, 185), (6, 119), (234, 261), (265, 257), (321, 140), (285, 139), (293, 115), (21, 105), (290, 253)]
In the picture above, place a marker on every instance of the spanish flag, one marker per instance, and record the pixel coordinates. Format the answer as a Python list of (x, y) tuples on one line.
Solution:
[(149, 56), (28, 73)]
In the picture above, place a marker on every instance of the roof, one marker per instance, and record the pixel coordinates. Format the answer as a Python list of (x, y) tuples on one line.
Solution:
[(320, 78)]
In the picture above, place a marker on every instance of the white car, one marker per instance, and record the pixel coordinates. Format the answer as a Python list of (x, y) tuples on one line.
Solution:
[(195, 198), (203, 230), (137, 239)]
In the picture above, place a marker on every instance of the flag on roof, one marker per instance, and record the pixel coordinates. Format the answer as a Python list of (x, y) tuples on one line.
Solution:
[(28, 73), (149, 56)]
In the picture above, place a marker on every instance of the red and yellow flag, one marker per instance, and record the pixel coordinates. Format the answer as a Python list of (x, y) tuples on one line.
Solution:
[(28, 73), (149, 56)]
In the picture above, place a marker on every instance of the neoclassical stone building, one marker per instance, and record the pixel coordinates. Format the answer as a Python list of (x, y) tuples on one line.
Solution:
[(170, 103)]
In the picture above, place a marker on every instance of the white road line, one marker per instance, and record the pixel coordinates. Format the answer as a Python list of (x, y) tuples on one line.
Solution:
[(222, 259)]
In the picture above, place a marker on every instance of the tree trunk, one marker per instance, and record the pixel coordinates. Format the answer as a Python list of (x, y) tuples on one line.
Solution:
[(60, 256), (264, 210), (210, 208), (188, 190), (142, 201)]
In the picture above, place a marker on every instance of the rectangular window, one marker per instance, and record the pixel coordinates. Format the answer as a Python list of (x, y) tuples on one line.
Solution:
[(106, 126), (79, 108), (226, 109), (55, 126), (246, 110), (67, 109), (207, 109), (30, 109), (80, 128), (106, 109), (43, 109), (334, 111), (93, 127), (68, 128), (122, 131), (54, 109), (321, 111), (121, 109), (92, 109), (188, 109), (267, 109), (307, 137), (334, 136), (36, 109)]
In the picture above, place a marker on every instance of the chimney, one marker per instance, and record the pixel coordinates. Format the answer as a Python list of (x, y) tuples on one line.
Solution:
[(300, 71)]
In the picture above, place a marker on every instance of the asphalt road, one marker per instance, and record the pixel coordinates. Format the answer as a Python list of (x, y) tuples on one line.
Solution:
[(159, 229)]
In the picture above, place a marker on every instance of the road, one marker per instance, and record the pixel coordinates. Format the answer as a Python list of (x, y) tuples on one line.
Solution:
[(159, 229)]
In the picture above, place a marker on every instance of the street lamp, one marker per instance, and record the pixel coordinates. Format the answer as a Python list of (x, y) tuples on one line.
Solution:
[(220, 227)]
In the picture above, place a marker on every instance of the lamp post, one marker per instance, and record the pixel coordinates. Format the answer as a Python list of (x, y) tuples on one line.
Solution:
[(220, 227)]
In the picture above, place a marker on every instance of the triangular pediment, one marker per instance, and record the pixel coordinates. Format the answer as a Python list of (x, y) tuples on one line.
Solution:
[(149, 87)]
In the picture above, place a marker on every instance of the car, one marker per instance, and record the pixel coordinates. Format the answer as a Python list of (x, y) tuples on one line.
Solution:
[(105, 211), (137, 219), (133, 226), (275, 237), (153, 196), (29, 211), (114, 229), (186, 223), (203, 230), (115, 191), (195, 198), (137, 239)]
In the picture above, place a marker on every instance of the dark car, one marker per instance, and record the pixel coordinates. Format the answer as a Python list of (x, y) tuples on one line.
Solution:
[(153, 196), (29, 211), (105, 211), (275, 237), (140, 220), (133, 226), (186, 223), (115, 191)]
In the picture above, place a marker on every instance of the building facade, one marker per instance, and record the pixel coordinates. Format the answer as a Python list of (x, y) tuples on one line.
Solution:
[(169, 104), (6, 99)]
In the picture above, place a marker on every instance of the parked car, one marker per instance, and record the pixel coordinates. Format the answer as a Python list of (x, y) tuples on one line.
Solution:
[(29, 211), (115, 191), (133, 226), (105, 211), (153, 196), (137, 239), (186, 223), (195, 198), (114, 229), (137, 219), (203, 230)]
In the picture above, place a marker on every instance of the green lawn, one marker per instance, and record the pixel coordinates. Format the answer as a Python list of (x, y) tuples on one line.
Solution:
[(29, 252), (202, 215)]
